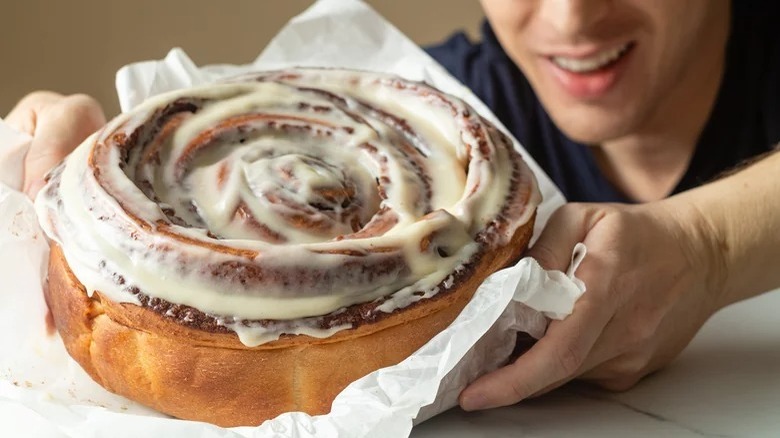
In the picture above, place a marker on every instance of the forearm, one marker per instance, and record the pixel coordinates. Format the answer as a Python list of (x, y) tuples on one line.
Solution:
[(740, 215)]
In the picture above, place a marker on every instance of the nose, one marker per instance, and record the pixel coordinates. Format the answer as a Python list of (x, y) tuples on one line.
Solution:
[(573, 18)]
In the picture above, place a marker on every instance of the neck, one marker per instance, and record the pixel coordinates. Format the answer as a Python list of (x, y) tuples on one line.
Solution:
[(648, 163)]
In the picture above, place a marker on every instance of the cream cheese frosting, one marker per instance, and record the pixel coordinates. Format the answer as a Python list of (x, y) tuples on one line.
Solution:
[(286, 195)]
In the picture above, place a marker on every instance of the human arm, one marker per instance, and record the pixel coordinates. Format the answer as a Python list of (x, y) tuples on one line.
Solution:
[(57, 124), (743, 211), (655, 273)]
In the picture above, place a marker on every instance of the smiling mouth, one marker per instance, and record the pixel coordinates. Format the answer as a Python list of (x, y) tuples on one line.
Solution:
[(590, 64)]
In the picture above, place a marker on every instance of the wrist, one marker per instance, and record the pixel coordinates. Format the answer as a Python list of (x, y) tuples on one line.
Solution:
[(737, 219), (704, 244)]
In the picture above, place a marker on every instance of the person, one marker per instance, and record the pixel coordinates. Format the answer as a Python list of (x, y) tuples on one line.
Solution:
[(643, 105), (658, 118)]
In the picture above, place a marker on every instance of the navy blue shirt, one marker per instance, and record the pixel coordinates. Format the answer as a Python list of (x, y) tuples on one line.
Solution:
[(744, 123)]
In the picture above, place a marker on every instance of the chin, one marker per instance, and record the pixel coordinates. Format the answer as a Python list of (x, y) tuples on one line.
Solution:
[(591, 125), (590, 134)]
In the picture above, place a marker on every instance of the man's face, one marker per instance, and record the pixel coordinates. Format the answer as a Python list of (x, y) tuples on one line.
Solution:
[(602, 68)]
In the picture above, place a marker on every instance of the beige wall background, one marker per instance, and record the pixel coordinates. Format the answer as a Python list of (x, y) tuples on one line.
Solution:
[(77, 45)]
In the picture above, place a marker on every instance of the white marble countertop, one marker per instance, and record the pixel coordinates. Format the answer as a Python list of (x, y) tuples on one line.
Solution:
[(725, 384)]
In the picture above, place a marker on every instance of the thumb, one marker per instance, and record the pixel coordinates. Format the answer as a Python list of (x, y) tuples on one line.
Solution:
[(562, 351), (556, 358), (59, 128)]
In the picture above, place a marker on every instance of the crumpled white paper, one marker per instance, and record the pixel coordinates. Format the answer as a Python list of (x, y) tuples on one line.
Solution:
[(38, 380), (13, 149)]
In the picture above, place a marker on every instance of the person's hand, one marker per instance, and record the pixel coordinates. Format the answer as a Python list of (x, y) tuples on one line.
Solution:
[(653, 277), (57, 124)]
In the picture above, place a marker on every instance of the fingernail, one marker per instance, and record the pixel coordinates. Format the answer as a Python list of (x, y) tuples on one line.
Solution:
[(472, 401)]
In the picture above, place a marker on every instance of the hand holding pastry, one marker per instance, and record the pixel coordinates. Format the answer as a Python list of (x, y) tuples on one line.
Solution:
[(654, 273), (651, 284), (57, 125)]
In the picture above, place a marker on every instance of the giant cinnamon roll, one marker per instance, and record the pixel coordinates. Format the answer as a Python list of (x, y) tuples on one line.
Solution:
[(231, 252)]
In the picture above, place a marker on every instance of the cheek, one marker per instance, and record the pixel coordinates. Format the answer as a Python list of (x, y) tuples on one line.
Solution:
[(510, 20), (676, 33)]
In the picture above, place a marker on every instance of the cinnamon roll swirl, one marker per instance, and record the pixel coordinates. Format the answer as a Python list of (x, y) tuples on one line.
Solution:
[(219, 251)]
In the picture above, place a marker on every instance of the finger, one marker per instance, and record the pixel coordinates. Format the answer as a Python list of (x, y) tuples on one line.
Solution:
[(551, 387), (557, 356), (601, 355), (615, 368), (598, 354), (59, 129), (23, 116), (617, 384), (563, 231), (560, 354), (565, 228), (626, 370), (607, 361)]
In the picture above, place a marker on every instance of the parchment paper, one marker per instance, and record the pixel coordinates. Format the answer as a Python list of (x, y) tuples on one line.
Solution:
[(39, 381)]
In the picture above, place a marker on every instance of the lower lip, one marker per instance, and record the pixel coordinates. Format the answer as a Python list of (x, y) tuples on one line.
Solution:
[(594, 84)]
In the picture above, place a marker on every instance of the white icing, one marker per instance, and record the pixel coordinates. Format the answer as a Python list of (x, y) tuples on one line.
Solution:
[(318, 164), (253, 335)]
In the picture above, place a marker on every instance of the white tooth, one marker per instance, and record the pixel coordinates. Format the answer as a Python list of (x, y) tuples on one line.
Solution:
[(579, 65)]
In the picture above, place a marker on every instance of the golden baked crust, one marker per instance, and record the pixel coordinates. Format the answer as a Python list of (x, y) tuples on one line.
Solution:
[(199, 375)]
